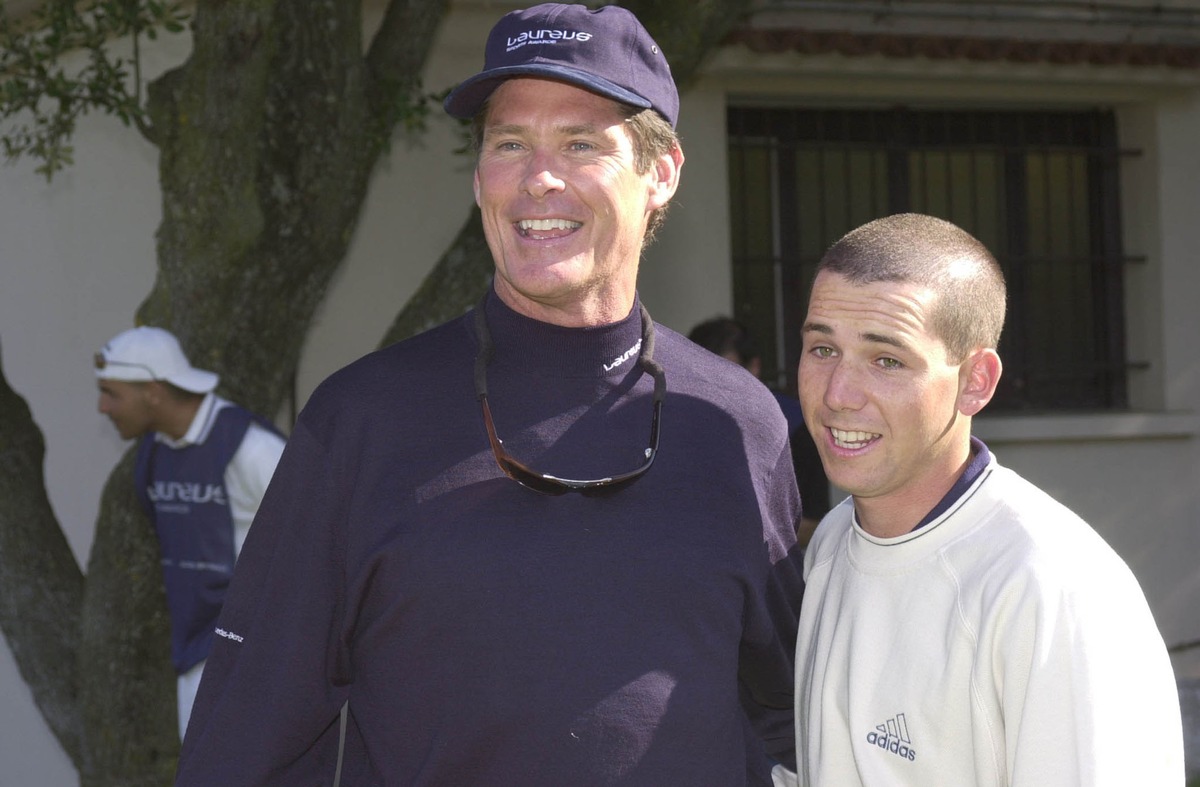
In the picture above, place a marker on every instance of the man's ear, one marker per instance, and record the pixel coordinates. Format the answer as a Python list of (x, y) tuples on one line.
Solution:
[(154, 393), (666, 171), (978, 377)]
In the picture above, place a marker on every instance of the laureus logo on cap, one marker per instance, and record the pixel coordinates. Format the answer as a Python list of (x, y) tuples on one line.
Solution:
[(545, 37), (606, 51)]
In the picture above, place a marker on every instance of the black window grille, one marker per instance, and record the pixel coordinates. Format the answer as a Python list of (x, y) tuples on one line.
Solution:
[(1040, 189)]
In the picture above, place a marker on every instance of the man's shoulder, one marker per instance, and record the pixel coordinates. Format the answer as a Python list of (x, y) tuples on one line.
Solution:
[(830, 534), (790, 406), (696, 371), (713, 389), (238, 418), (418, 357), (1035, 563), (1028, 512), (394, 376), (1033, 538)]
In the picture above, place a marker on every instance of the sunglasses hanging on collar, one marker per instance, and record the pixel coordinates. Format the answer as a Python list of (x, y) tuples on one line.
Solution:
[(545, 482)]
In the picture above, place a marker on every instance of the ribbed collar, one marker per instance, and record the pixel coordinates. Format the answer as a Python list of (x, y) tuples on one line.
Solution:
[(870, 553), (201, 424), (543, 348), (981, 457)]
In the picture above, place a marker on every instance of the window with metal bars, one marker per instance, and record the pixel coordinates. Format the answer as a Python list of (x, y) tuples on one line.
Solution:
[(1040, 189)]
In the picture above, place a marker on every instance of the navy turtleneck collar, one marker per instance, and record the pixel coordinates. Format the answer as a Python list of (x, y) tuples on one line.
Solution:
[(980, 456), (531, 345)]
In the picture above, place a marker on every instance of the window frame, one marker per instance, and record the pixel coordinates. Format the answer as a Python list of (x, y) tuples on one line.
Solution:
[(1052, 158)]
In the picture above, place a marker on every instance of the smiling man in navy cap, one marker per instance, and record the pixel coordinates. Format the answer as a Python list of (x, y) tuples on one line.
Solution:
[(550, 542)]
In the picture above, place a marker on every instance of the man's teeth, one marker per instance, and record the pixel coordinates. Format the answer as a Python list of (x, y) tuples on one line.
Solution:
[(845, 439), (544, 225)]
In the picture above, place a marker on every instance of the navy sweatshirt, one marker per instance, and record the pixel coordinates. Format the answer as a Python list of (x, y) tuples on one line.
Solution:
[(486, 634)]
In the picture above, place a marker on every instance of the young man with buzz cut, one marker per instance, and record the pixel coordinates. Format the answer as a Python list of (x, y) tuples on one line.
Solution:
[(961, 627)]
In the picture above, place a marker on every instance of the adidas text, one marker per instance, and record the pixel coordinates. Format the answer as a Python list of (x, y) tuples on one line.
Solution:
[(888, 743), (893, 736)]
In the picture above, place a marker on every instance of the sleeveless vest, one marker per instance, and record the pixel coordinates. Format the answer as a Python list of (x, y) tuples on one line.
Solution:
[(183, 492)]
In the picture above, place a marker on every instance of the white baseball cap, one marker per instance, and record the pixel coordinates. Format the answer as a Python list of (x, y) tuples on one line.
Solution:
[(146, 353)]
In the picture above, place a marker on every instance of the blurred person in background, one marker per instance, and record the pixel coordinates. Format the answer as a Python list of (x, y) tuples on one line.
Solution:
[(203, 465)]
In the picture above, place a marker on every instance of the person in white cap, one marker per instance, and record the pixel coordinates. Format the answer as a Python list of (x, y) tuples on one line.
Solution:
[(203, 465)]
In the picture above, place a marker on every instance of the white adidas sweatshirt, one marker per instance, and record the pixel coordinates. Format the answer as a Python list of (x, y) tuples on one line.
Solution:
[(1004, 643)]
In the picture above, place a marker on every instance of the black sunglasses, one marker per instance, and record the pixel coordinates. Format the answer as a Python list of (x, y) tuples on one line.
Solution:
[(544, 482)]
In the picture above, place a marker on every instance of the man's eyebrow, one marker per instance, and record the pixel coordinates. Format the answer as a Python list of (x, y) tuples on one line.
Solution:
[(874, 338), (506, 129), (817, 327), (502, 130), (580, 128), (879, 338)]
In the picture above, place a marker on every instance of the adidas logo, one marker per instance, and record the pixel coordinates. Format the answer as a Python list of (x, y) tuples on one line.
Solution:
[(893, 736)]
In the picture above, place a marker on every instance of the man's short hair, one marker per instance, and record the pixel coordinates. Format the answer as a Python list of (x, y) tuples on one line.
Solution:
[(934, 253)]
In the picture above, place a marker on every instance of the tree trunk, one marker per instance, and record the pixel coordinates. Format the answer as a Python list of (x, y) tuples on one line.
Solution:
[(127, 685), (41, 587), (268, 135), (454, 285)]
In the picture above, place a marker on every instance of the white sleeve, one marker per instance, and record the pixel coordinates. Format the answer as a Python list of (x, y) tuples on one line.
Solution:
[(1093, 697), (247, 476)]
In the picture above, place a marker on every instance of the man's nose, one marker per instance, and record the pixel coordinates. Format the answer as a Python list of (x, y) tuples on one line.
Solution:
[(845, 390), (541, 177)]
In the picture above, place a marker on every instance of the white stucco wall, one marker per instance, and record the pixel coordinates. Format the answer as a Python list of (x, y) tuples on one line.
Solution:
[(78, 257), (1133, 476)]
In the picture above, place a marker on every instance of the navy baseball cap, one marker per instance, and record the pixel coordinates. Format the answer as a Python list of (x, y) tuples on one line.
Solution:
[(606, 51)]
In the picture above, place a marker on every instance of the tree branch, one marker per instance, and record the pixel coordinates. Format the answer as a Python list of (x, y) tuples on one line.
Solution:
[(126, 683), (454, 285), (401, 46), (41, 586)]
